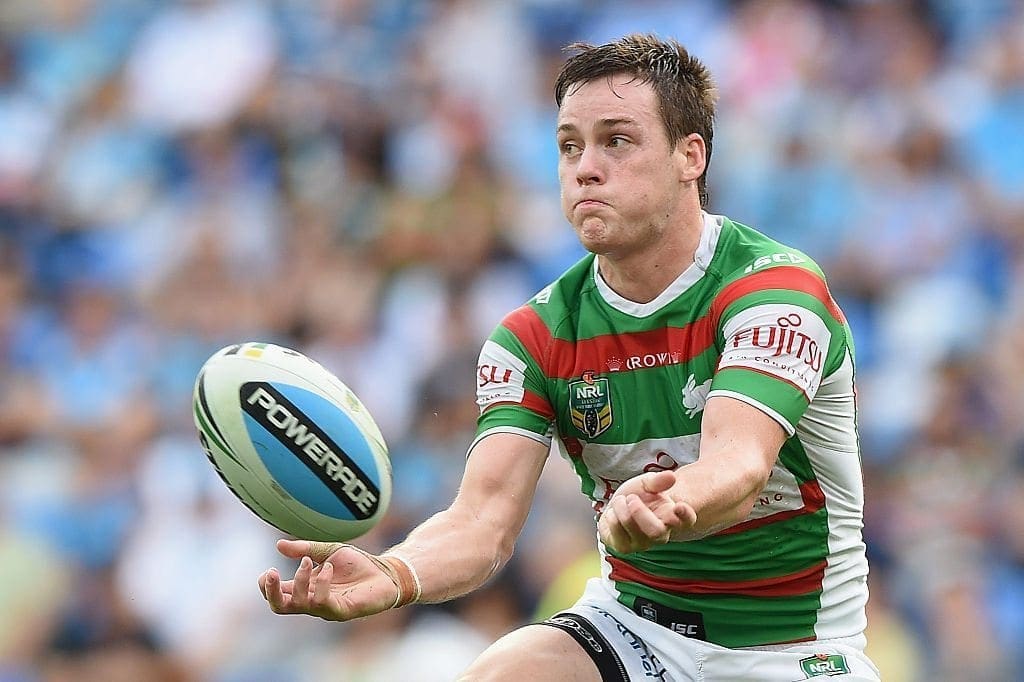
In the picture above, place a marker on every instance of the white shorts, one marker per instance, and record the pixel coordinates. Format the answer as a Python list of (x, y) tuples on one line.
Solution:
[(629, 648)]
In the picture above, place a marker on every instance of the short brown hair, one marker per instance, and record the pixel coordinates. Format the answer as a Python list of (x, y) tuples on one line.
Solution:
[(684, 87)]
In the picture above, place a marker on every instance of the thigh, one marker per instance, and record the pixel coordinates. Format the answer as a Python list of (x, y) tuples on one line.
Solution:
[(534, 652), (824, 660)]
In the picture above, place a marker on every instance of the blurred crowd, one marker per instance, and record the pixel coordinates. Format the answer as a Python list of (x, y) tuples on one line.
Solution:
[(374, 183)]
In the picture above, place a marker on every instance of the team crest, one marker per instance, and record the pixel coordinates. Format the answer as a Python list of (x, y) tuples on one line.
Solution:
[(590, 404)]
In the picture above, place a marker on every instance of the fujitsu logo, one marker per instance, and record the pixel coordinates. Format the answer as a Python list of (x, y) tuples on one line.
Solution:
[(784, 337)]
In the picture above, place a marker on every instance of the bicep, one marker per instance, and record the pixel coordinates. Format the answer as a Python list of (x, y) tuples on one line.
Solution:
[(500, 480)]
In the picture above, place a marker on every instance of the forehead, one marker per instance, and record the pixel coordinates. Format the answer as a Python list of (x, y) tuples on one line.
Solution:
[(616, 97)]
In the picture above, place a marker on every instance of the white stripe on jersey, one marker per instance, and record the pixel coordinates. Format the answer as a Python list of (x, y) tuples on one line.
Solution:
[(542, 439)]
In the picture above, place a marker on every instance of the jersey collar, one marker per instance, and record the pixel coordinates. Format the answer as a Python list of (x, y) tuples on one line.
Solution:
[(701, 260)]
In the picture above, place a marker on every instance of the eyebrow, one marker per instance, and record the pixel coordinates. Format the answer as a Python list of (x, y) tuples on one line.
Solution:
[(602, 123)]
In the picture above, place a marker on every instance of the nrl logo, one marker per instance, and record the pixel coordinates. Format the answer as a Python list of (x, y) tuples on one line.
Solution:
[(824, 664), (695, 396), (590, 404)]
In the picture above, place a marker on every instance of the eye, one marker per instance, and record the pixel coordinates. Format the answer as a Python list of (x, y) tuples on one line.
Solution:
[(617, 141), (568, 148)]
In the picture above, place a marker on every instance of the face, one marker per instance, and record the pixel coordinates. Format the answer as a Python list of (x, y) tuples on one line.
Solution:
[(621, 181)]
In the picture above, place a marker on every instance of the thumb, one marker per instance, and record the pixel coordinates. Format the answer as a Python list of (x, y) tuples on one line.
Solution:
[(294, 549), (658, 482), (317, 551)]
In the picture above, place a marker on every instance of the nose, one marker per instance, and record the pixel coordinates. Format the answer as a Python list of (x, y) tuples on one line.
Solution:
[(588, 169)]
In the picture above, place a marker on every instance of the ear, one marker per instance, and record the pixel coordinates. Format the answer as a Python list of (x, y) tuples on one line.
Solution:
[(691, 156)]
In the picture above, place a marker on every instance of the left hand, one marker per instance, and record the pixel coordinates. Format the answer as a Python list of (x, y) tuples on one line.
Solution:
[(348, 583), (643, 512)]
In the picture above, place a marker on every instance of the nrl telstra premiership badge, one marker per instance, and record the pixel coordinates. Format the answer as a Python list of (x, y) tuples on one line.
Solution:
[(824, 664), (590, 404)]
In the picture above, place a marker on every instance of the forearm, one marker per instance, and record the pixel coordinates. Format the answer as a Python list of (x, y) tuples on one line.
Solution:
[(454, 552), (739, 446), (458, 549), (721, 495)]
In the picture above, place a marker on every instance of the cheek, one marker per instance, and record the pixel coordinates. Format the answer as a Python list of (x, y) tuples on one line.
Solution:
[(653, 186)]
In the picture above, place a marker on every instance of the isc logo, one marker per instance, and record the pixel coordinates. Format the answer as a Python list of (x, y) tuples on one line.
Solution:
[(764, 261), (686, 629)]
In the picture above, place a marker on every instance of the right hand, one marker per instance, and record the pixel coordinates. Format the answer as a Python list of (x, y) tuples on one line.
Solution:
[(643, 512), (346, 585)]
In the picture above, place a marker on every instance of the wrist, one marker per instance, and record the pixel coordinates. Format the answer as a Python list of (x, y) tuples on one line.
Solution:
[(404, 575)]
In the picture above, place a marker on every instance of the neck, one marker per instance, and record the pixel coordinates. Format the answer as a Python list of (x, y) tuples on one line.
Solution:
[(641, 276)]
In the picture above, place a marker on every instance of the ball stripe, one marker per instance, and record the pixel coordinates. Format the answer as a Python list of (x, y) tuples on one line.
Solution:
[(203, 421)]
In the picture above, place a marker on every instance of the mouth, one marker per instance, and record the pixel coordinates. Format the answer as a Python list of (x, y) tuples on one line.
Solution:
[(588, 203)]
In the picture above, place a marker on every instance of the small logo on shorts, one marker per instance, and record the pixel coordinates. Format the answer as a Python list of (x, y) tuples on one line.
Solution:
[(824, 664), (685, 623)]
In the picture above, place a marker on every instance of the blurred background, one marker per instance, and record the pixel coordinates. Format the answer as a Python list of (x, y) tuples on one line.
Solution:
[(375, 184)]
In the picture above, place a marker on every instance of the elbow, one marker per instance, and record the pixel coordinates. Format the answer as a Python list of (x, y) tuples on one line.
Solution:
[(498, 555), (505, 546), (752, 485)]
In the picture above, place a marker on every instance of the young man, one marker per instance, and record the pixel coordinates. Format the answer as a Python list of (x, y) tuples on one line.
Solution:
[(698, 377)]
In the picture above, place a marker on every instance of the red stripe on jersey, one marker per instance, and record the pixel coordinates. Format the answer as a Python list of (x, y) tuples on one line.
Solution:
[(790, 585), (810, 492), (787, 277), (530, 401), (573, 446), (527, 326), (562, 359), (659, 347)]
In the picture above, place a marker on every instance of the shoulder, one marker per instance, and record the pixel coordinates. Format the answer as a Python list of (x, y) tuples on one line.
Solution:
[(745, 251), (753, 267), (556, 302)]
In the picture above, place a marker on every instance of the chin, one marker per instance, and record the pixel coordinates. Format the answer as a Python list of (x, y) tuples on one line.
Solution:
[(591, 244), (592, 234), (598, 247)]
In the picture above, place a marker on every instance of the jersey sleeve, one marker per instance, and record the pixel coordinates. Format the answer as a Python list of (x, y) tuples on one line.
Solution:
[(511, 389), (780, 333)]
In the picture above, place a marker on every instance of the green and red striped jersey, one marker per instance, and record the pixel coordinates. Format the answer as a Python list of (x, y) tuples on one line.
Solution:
[(619, 387)]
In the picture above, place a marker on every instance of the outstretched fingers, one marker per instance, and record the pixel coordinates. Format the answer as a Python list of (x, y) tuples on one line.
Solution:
[(321, 595), (275, 592), (300, 584), (293, 596)]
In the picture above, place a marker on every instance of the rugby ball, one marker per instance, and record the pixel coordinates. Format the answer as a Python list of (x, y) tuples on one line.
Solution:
[(292, 442)]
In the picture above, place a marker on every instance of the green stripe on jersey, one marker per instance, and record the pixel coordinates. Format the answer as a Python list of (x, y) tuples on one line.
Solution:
[(514, 416), (795, 459), (507, 340), (770, 551), (786, 399), (737, 621)]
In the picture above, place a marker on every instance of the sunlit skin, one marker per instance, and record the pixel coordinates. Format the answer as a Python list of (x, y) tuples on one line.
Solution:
[(630, 196)]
